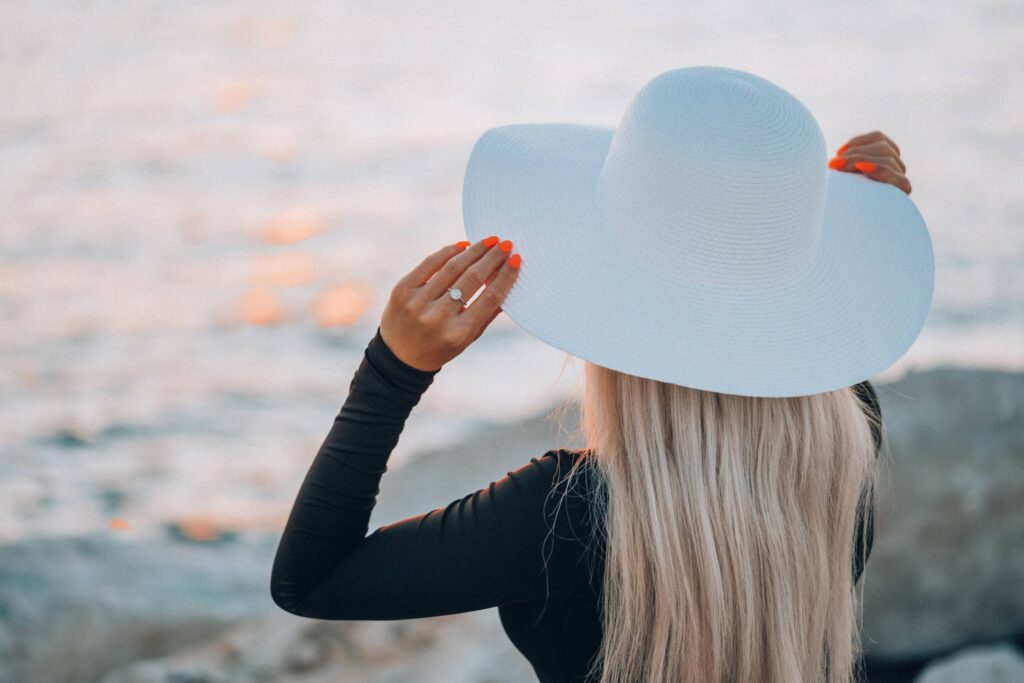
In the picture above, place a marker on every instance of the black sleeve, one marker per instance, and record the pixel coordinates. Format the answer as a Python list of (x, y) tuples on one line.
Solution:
[(865, 537), (484, 549)]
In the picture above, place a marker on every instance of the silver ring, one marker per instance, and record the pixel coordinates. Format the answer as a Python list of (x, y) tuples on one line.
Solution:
[(456, 294)]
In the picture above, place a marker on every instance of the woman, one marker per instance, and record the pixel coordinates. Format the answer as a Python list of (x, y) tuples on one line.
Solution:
[(716, 525)]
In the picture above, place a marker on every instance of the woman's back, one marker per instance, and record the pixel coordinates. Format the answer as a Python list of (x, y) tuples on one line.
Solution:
[(529, 544)]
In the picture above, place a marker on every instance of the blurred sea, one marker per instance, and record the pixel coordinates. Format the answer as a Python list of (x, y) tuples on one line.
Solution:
[(203, 207)]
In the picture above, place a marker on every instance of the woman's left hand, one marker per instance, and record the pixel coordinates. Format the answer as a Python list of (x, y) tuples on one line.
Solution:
[(874, 155), (423, 325)]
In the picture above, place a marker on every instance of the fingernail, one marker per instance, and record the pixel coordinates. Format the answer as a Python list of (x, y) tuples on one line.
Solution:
[(462, 245), (505, 246), (491, 241), (515, 260), (837, 162), (839, 152), (866, 166)]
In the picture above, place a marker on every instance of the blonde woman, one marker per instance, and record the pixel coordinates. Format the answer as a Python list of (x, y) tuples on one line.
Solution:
[(717, 523)]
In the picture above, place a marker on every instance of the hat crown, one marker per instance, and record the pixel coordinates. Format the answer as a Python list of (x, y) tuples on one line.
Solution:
[(717, 177)]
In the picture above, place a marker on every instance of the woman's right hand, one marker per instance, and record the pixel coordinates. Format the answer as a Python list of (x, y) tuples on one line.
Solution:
[(874, 155), (423, 326)]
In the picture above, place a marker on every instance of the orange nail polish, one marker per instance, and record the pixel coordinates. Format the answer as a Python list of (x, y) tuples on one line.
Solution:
[(491, 241), (866, 166), (462, 245), (505, 246), (515, 260), (837, 162), (839, 152)]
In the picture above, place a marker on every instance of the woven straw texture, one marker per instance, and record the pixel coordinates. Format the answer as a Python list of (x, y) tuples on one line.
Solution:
[(704, 241)]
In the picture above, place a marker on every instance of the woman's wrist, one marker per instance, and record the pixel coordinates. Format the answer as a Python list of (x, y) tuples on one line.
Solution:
[(394, 369)]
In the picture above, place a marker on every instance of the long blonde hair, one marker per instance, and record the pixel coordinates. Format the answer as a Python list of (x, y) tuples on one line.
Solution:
[(727, 524)]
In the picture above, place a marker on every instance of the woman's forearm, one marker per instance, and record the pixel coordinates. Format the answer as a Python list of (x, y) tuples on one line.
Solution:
[(332, 509)]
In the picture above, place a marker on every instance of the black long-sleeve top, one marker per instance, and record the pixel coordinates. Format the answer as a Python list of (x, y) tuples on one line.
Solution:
[(486, 549)]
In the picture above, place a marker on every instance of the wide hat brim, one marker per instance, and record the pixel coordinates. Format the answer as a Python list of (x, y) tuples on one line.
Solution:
[(851, 314)]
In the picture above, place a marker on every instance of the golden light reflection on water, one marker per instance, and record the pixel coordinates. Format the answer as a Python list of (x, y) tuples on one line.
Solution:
[(199, 528), (342, 305), (337, 304), (261, 306), (295, 224), (213, 525)]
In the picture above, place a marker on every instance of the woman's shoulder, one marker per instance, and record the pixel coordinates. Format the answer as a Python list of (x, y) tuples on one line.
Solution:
[(566, 469), (564, 479), (556, 470)]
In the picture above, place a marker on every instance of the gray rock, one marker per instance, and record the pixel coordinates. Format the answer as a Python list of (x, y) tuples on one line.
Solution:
[(461, 648), (949, 554), (71, 609), (993, 664)]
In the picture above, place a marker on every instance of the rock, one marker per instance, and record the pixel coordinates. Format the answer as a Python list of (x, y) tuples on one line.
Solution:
[(458, 648), (992, 664), (948, 557), (70, 609)]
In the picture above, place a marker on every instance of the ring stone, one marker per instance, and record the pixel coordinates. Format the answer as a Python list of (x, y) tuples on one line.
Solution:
[(455, 293)]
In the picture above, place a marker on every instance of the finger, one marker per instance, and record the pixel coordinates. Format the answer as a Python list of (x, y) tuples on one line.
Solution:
[(497, 271), (884, 174), (882, 171), (488, 305), (850, 162), (454, 267), (865, 163), (876, 149), (873, 136), (430, 265), (480, 272)]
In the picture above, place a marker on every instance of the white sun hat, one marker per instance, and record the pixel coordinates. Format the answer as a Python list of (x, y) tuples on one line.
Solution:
[(704, 242)]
